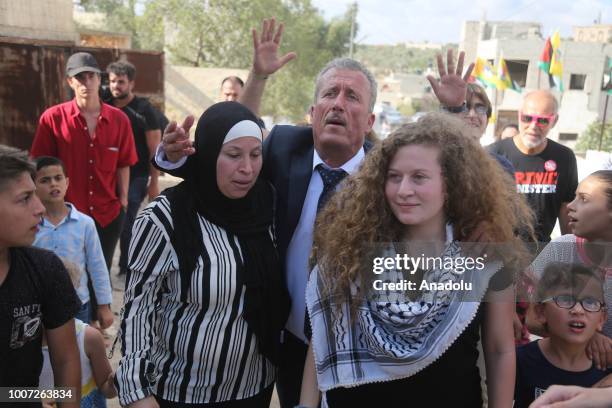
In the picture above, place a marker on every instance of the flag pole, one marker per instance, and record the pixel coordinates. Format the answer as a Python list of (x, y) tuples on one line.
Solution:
[(603, 122)]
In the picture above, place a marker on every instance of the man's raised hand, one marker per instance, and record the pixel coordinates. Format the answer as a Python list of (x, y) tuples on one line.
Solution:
[(451, 88), (175, 140), (266, 60)]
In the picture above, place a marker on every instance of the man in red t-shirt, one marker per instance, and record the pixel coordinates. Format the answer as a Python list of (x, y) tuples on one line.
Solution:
[(95, 142)]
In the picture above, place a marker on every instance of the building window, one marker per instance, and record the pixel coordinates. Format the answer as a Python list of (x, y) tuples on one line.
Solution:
[(577, 81), (518, 71), (566, 137)]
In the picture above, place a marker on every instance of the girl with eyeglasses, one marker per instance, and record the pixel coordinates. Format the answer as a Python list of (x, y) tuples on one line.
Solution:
[(590, 244), (570, 305)]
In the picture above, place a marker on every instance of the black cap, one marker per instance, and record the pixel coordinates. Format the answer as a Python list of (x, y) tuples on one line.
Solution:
[(81, 62)]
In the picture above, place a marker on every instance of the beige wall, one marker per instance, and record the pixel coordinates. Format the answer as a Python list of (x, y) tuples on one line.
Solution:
[(190, 90), (597, 33), (38, 19)]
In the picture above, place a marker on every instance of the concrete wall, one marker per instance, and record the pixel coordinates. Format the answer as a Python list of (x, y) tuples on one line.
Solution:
[(38, 19), (596, 33), (190, 90), (474, 31)]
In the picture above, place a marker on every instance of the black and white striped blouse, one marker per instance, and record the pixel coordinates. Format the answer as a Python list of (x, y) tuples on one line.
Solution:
[(198, 351)]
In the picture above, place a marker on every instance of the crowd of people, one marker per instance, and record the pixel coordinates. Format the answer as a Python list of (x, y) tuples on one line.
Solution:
[(257, 271)]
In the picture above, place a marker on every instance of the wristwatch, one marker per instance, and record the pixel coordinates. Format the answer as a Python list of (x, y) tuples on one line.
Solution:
[(455, 109)]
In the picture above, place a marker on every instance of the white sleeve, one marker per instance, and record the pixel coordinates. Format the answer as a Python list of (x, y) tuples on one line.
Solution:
[(160, 159)]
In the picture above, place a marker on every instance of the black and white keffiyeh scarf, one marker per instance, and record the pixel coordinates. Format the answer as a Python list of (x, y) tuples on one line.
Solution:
[(394, 338)]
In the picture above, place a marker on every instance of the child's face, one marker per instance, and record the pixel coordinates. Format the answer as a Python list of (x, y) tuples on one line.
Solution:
[(20, 212), (590, 214), (51, 184), (575, 325)]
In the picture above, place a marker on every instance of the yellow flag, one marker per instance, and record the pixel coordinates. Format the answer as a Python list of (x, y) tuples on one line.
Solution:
[(556, 68)]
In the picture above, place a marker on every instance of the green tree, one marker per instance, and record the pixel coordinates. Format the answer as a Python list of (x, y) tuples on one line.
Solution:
[(589, 140), (291, 91), (217, 33)]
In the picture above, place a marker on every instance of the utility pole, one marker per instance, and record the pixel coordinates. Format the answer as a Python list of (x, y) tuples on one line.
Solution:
[(353, 18), (608, 90)]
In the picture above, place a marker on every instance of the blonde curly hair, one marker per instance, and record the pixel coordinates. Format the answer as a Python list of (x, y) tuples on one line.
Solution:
[(479, 193)]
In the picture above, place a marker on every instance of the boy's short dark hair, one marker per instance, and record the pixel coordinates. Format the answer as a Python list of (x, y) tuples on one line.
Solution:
[(122, 68), (46, 161), (13, 163), (565, 275)]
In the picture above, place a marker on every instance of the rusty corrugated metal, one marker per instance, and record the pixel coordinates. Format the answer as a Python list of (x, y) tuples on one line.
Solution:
[(32, 78)]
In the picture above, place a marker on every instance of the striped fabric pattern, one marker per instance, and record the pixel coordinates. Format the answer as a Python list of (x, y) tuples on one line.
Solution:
[(196, 351)]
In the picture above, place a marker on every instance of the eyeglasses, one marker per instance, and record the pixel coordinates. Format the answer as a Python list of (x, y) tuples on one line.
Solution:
[(540, 120), (480, 109), (588, 303)]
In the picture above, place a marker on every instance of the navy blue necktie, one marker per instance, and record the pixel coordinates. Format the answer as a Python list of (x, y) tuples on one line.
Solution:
[(331, 178)]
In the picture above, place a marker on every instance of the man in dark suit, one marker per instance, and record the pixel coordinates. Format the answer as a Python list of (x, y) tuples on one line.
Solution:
[(302, 163)]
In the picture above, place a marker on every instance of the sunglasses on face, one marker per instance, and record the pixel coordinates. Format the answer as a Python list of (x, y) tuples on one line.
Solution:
[(590, 304), (540, 120)]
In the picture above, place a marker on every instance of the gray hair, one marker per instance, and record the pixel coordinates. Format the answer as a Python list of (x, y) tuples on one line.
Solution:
[(348, 64)]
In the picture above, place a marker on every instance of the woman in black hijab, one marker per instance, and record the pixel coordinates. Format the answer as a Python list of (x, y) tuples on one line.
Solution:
[(205, 302)]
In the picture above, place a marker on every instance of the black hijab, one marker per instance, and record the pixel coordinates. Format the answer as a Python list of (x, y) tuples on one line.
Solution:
[(266, 301)]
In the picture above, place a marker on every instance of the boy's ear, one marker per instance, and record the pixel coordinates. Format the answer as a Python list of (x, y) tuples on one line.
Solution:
[(538, 308), (67, 182), (602, 319)]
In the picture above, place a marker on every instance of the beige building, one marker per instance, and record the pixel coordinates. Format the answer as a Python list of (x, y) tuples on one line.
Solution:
[(57, 21), (49, 20), (400, 88), (599, 33), (520, 44), (92, 31), (423, 45)]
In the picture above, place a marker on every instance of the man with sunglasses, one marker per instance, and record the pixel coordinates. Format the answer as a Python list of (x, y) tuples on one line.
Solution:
[(545, 171)]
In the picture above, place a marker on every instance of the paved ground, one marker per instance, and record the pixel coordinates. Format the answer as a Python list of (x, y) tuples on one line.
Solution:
[(118, 283)]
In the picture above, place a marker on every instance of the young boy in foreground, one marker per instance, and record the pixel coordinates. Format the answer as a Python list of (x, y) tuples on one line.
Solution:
[(72, 235), (571, 308), (35, 289)]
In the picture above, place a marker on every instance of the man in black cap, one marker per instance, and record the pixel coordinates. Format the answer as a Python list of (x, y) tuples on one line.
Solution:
[(95, 142)]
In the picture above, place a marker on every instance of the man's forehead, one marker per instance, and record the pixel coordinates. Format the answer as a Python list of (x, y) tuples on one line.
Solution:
[(51, 170), (21, 184), (336, 76), (538, 104), (112, 75)]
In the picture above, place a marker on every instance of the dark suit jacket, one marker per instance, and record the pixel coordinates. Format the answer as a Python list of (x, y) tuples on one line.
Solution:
[(287, 152)]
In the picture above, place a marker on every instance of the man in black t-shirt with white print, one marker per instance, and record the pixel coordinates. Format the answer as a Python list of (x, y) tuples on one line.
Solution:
[(545, 171)]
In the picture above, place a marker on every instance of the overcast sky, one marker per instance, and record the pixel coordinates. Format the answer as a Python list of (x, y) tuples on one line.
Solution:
[(393, 21)]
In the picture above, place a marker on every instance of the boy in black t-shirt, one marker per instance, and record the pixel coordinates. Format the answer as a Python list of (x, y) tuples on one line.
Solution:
[(571, 307), (35, 289)]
